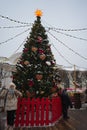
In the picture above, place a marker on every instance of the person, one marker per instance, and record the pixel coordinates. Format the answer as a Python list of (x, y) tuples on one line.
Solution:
[(66, 103), (86, 95), (1, 101), (10, 102)]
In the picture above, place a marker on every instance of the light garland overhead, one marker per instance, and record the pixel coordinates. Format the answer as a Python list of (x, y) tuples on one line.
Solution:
[(39, 13), (68, 47), (16, 21), (62, 55), (22, 26), (60, 29), (70, 35), (19, 46), (14, 37)]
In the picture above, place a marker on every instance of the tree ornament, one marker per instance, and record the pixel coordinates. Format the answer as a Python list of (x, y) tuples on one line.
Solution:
[(34, 49), (38, 13), (48, 63), (39, 77), (41, 51), (42, 92), (37, 92), (53, 89), (42, 56), (55, 67), (39, 39), (21, 62), (48, 48), (26, 62), (29, 94), (25, 50), (54, 95), (52, 62), (30, 83)]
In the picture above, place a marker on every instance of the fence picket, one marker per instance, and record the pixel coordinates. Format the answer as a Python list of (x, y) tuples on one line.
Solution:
[(38, 112)]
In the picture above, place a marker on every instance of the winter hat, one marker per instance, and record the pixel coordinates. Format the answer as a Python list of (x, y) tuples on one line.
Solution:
[(12, 85)]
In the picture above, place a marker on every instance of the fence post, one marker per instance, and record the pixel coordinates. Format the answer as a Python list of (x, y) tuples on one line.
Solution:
[(28, 112), (37, 110)]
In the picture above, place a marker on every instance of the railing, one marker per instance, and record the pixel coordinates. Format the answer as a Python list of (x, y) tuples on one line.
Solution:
[(38, 112)]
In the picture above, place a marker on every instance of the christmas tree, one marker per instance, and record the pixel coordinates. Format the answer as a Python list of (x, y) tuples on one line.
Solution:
[(35, 74)]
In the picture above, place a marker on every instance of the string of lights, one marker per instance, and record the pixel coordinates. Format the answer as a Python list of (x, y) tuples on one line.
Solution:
[(61, 29), (58, 30), (66, 59), (8, 27), (67, 46), (79, 67), (53, 28), (80, 29), (19, 46), (16, 21), (14, 37), (61, 55), (69, 35)]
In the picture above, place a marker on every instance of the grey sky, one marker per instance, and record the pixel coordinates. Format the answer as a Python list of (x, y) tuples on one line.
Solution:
[(64, 14)]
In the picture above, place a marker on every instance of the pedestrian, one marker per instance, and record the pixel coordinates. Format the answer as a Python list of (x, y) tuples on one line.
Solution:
[(66, 103), (1, 99), (86, 95), (10, 102)]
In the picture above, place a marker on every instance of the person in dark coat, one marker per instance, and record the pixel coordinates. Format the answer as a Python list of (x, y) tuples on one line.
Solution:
[(66, 103), (86, 95)]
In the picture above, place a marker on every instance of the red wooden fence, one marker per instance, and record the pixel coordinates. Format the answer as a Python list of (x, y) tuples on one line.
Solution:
[(38, 112)]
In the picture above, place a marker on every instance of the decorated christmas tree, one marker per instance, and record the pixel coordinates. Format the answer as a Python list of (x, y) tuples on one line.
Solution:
[(35, 74)]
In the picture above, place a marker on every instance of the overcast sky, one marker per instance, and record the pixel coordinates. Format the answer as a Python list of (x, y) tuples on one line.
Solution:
[(64, 14)]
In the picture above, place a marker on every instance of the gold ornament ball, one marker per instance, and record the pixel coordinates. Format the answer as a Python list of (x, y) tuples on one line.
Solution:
[(42, 56), (26, 62), (34, 49)]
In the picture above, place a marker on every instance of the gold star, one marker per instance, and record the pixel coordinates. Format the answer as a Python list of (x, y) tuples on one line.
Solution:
[(38, 13)]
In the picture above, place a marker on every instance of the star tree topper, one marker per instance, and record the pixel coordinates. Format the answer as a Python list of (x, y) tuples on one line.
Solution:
[(38, 13)]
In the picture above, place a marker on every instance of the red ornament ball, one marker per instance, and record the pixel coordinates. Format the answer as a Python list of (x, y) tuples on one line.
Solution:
[(25, 50), (30, 83), (41, 51), (39, 39)]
